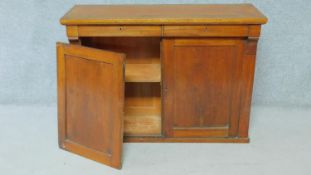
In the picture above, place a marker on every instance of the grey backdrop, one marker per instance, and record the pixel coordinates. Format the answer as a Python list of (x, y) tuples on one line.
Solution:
[(29, 30)]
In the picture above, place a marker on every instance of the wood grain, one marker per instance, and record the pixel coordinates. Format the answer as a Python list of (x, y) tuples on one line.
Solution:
[(142, 109), (91, 99), (143, 73), (74, 32), (248, 72), (207, 74), (206, 30), (140, 50), (124, 31), (197, 132), (187, 76), (163, 14), (142, 121)]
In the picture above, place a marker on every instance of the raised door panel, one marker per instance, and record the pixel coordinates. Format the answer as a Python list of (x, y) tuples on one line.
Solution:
[(90, 99), (201, 86)]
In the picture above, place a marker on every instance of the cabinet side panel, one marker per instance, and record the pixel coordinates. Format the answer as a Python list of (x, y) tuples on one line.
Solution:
[(248, 72), (61, 94)]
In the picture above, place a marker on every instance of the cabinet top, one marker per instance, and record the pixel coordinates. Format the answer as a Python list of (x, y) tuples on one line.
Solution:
[(163, 14)]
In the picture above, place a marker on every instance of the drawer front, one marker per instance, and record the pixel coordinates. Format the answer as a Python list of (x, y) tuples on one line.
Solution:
[(206, 30), (86, 31), (165, 31)]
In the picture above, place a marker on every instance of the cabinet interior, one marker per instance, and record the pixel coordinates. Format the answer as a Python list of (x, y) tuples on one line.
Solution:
[(142, 81)]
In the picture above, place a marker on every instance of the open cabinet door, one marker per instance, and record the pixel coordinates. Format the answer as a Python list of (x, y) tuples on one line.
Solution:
[(91, 102)]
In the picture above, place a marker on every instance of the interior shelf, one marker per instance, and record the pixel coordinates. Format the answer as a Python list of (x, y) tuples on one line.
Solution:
[(143, 72), (142, 121)]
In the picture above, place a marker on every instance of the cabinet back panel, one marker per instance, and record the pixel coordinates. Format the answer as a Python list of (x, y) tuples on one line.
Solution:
[(142, 55), (139, 50)]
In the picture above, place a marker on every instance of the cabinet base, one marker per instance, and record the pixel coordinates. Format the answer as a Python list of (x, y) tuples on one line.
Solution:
[(156, 139)]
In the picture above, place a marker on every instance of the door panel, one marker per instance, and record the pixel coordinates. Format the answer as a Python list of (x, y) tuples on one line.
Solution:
[(91, 97), (201, 80)]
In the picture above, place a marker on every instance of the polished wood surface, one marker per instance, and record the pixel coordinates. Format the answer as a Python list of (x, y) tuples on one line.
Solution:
[(248, 71), (143, 56), (142, 121), (206, 30), (90, 99), (140, 50), (142, 109), (143, 98), (143, 73), (163, 14), (232, 30), (123, 31), (184, 74), (207, 74)]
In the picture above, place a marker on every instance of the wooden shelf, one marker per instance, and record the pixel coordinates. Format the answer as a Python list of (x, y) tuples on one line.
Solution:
[(143, 73), (142, 121)]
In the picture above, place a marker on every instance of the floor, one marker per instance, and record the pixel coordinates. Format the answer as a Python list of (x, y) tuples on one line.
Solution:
[(280, 144)]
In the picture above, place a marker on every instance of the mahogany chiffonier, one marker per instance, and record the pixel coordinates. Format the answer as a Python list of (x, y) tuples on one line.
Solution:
[(155, 73)]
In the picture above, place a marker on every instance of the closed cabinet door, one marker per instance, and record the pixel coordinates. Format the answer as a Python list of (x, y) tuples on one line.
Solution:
[(201, 87), (90, 102)]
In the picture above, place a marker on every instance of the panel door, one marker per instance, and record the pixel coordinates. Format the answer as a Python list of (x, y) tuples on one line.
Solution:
[(90, 102), (201, 87)]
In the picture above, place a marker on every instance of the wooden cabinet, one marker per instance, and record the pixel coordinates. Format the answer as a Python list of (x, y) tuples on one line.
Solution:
[(155, 73)]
